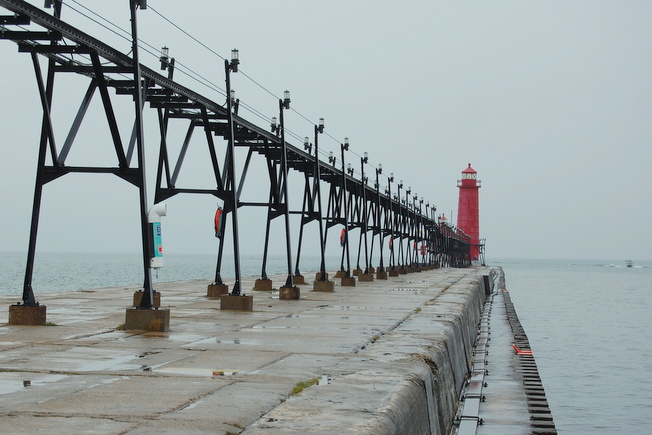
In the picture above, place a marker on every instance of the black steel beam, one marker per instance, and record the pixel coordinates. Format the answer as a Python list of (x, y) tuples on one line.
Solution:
[(14, 19), (52, 49), (21, 35)]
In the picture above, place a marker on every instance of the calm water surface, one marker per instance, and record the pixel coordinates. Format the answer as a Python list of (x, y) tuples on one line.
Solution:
[(589, 325), (589, 322), (57, 272)]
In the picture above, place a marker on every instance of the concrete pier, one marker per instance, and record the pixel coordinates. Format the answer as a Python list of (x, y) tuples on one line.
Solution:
[(384, 357)]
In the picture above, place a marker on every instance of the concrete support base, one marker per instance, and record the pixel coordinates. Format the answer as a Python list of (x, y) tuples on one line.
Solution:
[(263, 285), (356, 272), (318, 276), (298, 280), (393, 272), (217, 290), (348, 281), (402, 271), (323, 286), (138, 297), (237, 303), (372, 269), (340, 274), (365, 277), (381, 275), (147, 320), (289, 293), (28, 315)]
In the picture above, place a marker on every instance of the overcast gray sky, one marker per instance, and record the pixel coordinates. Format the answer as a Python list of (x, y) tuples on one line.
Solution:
[(550, 101)]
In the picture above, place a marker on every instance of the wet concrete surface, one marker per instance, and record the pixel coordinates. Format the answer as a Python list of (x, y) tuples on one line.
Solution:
[(229, 372)]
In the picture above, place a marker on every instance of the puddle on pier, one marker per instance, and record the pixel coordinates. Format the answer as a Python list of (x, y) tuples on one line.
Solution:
[(196, 371), (11, 343), (349, 308), (8, 386), (234, 341), (185, 338), (115, 363), (192, 405)]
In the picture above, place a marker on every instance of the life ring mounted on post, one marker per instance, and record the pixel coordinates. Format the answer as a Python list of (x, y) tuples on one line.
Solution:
[(219, 218)]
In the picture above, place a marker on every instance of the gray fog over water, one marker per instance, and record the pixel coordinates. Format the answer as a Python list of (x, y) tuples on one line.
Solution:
[(588, 322)]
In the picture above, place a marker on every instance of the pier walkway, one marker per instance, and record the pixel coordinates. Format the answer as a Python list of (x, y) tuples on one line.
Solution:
[(365, 358)]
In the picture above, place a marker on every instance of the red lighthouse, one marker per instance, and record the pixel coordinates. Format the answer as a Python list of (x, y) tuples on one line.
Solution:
[(468, 210)]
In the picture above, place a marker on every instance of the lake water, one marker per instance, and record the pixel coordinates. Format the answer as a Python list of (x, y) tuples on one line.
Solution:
[(588, 322), (56, 272), (589, 325)]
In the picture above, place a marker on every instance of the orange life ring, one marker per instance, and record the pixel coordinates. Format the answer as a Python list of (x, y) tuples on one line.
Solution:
[(218, 221)]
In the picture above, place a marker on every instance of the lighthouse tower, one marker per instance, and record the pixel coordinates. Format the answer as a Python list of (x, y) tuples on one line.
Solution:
[(468, 210)]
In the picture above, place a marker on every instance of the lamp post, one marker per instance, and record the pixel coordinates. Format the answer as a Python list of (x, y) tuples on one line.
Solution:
[(298, 278), (148, 292), (399, 224), (331, 158), (167, 63), (408, 252), (229, 67), (421, 228), (416, 227), (346, 279), (283, 105), (322, 268), (380, 273), (365, 275), (429, 235), (392, 260), (274, 126)]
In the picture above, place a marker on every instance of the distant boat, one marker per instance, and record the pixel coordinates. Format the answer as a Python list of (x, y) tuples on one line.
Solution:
[(629, 263)]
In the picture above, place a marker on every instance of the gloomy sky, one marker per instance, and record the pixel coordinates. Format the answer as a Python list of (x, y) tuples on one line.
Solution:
[(550, 101)]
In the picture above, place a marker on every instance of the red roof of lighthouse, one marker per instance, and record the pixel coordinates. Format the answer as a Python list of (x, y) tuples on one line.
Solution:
[(469, 170)]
